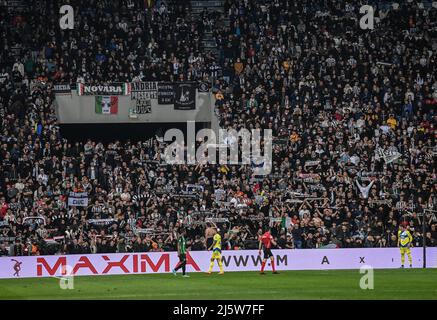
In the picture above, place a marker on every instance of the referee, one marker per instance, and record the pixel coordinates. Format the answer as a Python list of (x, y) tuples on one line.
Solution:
[(182, 254)]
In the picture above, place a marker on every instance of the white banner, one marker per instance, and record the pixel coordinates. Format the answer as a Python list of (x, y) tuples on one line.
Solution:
[(144, 90), (78, 199), (388, 155), (198, 261)]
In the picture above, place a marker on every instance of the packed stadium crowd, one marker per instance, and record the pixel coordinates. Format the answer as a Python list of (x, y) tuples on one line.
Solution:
[(352, 113)]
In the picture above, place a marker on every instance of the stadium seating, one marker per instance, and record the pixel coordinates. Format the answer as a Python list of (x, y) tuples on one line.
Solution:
[(352, 113)]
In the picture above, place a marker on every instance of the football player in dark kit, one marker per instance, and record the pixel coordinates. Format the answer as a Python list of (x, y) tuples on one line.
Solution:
[(182, 254), (265, 243)]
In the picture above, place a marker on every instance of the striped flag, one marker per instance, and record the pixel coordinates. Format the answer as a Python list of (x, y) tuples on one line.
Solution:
[(107, 104), (80, 88), (127, 88)]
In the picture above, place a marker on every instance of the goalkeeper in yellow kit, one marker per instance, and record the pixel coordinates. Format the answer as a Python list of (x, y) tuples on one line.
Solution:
[(404, 243), (216, 252)]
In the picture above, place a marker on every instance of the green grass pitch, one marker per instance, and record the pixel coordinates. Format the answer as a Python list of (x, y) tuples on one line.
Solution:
[(334, 284)]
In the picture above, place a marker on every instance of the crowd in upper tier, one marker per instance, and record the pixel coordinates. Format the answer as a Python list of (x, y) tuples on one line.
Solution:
[(353, 115)]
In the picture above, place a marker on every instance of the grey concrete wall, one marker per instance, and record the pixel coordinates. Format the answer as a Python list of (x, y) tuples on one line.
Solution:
[(81, 109)]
